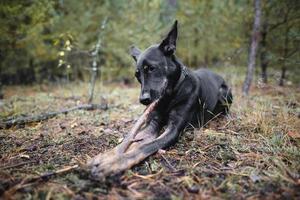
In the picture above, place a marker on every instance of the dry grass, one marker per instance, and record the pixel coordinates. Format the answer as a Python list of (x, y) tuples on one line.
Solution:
[(253, 153)]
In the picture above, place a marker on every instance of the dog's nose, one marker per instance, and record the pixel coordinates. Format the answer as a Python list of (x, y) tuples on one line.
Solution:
[(145, 98)]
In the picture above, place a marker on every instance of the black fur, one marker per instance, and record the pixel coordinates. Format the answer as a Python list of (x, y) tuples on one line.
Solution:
[(185, 96)]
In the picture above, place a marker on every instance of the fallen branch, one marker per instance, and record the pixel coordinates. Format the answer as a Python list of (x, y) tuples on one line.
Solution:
[(134, 131), (5, 124), (108, 163)]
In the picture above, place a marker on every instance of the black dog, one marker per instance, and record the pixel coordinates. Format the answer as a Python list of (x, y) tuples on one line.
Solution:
[(184, 97)]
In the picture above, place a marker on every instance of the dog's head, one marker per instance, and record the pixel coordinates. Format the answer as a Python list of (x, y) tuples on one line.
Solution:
[(155, 67)]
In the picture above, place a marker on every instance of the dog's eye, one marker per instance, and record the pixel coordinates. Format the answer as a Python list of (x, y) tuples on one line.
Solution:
[(150, 68), (145, 67)]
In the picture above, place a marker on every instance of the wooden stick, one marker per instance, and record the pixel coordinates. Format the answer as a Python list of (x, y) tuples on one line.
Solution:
[(134, 131), (109, 159), (17, 165), (5, 124), (47, 175)]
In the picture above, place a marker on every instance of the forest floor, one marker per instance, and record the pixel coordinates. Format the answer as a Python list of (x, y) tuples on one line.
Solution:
[(253, 153)]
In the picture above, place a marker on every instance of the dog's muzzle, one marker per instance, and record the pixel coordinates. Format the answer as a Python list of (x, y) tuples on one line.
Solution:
[(145, 98)]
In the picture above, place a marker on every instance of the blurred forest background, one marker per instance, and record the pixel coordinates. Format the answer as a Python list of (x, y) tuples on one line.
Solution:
[(43, 41)]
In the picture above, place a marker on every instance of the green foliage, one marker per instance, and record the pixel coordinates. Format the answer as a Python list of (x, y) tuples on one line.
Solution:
[(282, 19), (26, 39), (211, 32)]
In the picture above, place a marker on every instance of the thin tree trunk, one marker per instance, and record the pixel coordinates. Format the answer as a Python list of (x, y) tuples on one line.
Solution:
[(1, 92), (282, 77), (95, 63), (285, 56), (263, 55), (253, 48), (94, 74), (264, 73)]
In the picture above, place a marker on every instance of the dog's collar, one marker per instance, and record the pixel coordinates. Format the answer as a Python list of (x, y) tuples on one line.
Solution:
[(183, 74)]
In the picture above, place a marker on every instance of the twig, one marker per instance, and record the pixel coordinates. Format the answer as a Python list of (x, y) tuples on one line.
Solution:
[(137, 195), (16, 165), (168, 164), (223, 172), (27, 182), (47, 175), (150, 176)]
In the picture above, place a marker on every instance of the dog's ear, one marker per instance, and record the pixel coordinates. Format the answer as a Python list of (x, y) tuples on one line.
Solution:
[(168, 45), (135, 52)]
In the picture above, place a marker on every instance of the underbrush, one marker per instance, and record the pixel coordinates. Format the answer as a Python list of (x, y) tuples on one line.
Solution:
[(251, 153)]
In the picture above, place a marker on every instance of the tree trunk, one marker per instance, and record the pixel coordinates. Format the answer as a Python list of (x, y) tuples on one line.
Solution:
[(285, 56), (94, 67), (282, 77), (264, 74), (94, 73), (1, 93), (253, 48), (263, 55)]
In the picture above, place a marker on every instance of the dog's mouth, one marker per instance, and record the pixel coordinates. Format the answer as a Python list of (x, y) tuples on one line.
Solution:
[(146, 103), (155, 94)]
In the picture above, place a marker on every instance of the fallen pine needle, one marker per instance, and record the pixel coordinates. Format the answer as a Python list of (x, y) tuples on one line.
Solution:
[(150, 176)]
